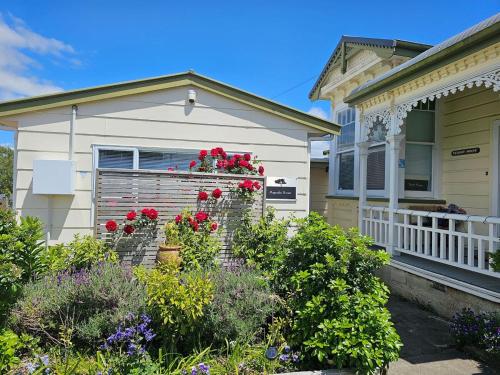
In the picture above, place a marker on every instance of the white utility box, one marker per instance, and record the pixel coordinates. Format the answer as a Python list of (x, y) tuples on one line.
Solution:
[(54, 177)]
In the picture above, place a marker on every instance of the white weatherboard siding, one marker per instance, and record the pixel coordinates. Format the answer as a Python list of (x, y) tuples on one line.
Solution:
[(160, 120)]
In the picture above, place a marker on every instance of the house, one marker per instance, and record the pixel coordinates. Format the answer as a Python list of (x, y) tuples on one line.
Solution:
[(154, 124), (420, 131)]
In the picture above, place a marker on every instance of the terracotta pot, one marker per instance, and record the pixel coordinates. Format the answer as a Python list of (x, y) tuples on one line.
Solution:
[(169, 253)]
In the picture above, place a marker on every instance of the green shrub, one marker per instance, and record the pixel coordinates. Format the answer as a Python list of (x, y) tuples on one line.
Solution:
[(21, 255), (241, 305), (82, 252), (338, 303), (495, 260), (176, 300), (80, 307), (262, 244), (12, 347)]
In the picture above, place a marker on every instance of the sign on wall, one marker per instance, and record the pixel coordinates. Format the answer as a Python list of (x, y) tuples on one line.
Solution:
[(281, 188), (466, 151)]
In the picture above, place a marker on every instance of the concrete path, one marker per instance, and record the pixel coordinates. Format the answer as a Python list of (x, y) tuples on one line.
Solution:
[(428, 346)]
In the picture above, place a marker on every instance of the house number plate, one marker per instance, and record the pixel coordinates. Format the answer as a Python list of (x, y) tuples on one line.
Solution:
[(466, 151)]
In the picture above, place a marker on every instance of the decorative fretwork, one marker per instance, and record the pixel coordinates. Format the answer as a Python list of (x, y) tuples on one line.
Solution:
[(489, 79), (379, 118), (377, 132)]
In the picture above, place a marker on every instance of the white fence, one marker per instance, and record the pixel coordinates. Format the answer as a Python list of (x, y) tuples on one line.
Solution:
[(463, 241)]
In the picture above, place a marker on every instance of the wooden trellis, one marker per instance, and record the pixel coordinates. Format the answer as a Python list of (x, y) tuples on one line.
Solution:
[(119, 191)]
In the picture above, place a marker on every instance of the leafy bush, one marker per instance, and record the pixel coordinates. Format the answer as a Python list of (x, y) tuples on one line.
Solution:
[(495, 260), (21, 255), (12, 347), (241, 305), (176, 300), (338, 304), (263, 244), (482, 330), (82, 252), (78, 307)]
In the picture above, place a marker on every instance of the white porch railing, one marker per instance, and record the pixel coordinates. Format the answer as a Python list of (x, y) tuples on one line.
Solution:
[(462, 241)]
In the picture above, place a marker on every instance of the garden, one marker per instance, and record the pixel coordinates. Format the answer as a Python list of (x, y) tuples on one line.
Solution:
[(300, 295)]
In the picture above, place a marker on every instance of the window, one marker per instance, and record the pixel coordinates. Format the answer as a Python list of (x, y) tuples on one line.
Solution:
[(419, 149), (345, 148), (125, 158), (165, 160), (375, 168), (120, 159)]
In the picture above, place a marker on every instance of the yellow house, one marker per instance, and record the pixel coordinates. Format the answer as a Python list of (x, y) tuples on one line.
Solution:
[(151, 124), (420, 131)]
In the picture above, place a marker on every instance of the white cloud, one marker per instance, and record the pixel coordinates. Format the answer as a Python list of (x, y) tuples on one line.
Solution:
[(17, 68), (317, 148), (318, 112)]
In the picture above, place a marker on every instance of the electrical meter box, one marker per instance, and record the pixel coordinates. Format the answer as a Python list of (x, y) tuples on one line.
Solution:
[(54, 177)]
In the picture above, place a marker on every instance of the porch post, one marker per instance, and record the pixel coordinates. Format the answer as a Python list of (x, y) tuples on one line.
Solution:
[(363, 156), (394, 148)]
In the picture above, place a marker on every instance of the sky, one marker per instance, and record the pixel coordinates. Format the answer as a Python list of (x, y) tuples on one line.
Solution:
[(275, 49)]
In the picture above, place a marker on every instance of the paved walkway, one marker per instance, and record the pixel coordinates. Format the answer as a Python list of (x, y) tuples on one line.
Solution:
[(428, 346)]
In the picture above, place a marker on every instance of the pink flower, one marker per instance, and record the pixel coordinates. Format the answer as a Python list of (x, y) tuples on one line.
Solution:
[(111, 226), (201, 216), (131, 215), (202, 196), (217, 193)]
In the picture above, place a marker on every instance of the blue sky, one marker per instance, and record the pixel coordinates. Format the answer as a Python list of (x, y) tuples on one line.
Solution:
[(265, 47)]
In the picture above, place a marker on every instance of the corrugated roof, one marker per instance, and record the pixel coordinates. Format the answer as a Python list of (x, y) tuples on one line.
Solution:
[(439, 48), (398, 46)]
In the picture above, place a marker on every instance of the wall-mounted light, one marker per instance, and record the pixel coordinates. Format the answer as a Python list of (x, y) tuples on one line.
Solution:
[(191, 96)]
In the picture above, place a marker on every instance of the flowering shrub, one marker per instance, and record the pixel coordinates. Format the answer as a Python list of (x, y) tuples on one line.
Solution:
[(78, 305), (146, 219), (482, 330), (199, 246), (247, 189)]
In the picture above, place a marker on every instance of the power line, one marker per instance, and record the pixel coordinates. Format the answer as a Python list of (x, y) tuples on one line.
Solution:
[(294, 87)]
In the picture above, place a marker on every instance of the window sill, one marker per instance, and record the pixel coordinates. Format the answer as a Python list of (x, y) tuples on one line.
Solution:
[(401, 200)]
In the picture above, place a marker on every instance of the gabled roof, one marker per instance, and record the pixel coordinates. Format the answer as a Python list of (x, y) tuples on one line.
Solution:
[(66, 98), (388, 47), (474, 38)]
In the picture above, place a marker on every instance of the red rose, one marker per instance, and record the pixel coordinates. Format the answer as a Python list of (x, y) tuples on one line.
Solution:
[(230, 164), (221, 164), (244, 163), (170, 169), (178, 219), (145, 211), (247, 184), (190, 220), (152, 214), (201, 216), (195, 226), (220, 150), (202, 196), (131, 215), (247, 157), (256, 185), (250, 167), (217, 193), (192, 164), (128, 229), (214, 152), (203, 154), (261, 170), (213, 227), (237, 156), (223, 154), (111, 226)]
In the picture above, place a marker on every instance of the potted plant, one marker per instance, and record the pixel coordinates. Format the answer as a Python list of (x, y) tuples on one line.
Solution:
[(170, 249)]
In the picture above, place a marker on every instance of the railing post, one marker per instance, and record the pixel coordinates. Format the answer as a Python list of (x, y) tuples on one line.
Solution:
[(363, 157), (394, 148)]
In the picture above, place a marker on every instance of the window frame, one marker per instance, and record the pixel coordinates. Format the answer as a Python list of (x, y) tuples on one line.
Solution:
[(336, 152), (433, 192)]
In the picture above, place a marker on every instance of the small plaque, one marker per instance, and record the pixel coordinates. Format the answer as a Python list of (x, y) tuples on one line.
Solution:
[(281, 188), (416, 185), (466, 151)]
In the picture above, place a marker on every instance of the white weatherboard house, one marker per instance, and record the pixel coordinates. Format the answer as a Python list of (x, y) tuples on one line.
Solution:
[(151, 124), (420, 131)]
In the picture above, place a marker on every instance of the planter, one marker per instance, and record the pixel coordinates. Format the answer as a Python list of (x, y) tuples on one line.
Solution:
[(169, 254)]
